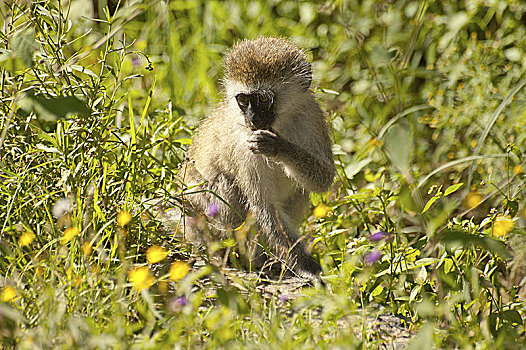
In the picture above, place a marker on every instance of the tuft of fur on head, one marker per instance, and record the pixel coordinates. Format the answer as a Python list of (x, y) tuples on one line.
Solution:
[(267, 60)]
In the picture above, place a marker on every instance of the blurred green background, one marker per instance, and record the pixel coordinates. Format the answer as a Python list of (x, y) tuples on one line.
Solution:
[(427, 109)]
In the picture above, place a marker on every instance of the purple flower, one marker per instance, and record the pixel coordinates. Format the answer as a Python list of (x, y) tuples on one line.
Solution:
[(213, 209), (176, 304), (283, 297), (372, 257), (136, 60), (181, 301), (378, 236)]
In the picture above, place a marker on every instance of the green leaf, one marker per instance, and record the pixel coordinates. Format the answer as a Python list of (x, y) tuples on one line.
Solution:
[(405, 197), (361, 197), (452, 189), (10, 62), (430, 203), (184, 141), (511, 206), (355, 167), (23, 45), (380, 56), (487, 243), (512, 316), (448, 265), (51, 108), (398, 144), (377, 291), (422, 276), (414, 293)]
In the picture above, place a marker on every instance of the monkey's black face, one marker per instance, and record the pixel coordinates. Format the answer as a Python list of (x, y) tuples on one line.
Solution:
[(258, 109)]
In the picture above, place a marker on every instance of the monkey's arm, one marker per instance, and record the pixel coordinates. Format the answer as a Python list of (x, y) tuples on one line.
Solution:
[(314, 173)]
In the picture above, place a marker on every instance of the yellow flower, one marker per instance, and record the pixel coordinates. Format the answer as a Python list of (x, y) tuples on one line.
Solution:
[(8, 294), (141, 278), (178, 270), (321, 211), (123, 218), (87, 248), (502, 225), (473, 199), (26, 239), (69, 233), (374, 142), (517, 169), (156, 253)]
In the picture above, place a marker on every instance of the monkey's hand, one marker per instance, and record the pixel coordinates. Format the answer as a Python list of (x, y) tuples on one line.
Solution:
[(312, 172), (267, 143)]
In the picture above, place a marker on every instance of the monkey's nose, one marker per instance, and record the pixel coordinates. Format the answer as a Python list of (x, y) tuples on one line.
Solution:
[(259, 121)]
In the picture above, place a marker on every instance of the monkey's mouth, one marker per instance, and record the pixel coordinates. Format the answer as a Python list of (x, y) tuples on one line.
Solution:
[(259, 121), (260, 127)]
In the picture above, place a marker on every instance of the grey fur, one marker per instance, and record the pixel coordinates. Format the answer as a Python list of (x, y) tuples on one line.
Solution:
[(268, 174)]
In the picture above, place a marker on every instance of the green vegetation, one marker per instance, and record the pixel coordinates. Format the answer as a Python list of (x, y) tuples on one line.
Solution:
[(427, 106)]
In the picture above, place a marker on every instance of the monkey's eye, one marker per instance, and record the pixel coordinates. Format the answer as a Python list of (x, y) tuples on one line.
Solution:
[(242, 99), (264, 99)]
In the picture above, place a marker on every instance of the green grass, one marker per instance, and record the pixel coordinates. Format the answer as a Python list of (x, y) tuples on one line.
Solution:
[(427, 107)]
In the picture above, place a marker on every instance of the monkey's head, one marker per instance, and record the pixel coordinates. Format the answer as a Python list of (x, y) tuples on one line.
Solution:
[(260, 73)]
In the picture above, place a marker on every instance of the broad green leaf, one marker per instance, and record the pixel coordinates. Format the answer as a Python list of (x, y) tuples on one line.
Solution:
[(422, 276), (414, 293), (12, 63), (511, 206), (23, 45), (448, 265), (184, 141), (358, 196), (380, 56), (487, 243), (512, 316), (377, 291), (355, 167), (452, 189), (51, 108), (405, 197), (398, 144), (430, 203)]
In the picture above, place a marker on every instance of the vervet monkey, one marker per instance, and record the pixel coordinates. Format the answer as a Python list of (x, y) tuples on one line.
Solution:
[(263, 149)]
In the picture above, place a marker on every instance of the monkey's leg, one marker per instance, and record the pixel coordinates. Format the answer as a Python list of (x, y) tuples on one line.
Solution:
[(283, 241)]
